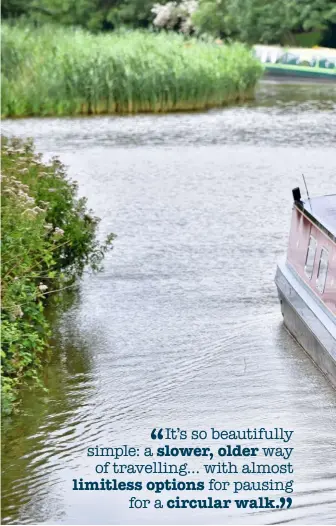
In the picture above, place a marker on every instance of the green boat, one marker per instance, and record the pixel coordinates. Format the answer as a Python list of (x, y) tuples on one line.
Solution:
[(314, 63)]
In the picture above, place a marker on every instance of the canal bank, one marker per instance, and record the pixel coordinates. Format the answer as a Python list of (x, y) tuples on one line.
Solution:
[(184, 323)]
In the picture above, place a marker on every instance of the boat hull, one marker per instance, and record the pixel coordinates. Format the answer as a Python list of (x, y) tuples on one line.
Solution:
[(299, 73), (310, 328)]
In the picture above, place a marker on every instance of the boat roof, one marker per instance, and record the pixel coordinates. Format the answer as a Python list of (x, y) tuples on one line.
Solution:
[(301, 51), (323, 210)]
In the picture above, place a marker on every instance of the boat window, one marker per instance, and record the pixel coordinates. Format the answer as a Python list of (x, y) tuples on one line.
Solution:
[(322, 270), (289, 58), (327, 63), (310, 258)]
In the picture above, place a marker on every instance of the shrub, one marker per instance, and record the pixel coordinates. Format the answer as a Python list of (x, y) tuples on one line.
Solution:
[(48, 238), (173, 15)]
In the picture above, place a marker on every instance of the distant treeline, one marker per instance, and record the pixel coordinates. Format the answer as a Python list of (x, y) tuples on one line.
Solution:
[(302, 22)]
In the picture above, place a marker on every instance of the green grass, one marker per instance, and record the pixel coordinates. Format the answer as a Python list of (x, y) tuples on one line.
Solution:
[(61, 71)]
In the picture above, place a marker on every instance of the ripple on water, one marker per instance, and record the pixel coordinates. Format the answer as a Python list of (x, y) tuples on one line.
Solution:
[(183, 328)]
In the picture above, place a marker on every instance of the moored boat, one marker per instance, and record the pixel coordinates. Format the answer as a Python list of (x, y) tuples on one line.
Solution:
[(306, 280), (314, 63)]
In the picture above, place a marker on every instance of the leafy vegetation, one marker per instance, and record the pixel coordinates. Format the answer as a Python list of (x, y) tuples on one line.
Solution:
[(95, 15), (59, 71), (279, 21), (48, 237), (265, 20)]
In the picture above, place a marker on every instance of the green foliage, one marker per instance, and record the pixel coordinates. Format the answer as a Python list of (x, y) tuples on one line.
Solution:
[(309, 39), (58, 71), (211, 18), (95, 15), (263, 20), (48, 236), (15, 8), (245, 20)]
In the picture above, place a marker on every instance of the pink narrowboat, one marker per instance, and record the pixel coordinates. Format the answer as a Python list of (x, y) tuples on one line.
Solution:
[(306, 280)]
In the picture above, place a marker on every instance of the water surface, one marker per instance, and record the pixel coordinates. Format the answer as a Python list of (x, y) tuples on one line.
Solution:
[(183, 327)]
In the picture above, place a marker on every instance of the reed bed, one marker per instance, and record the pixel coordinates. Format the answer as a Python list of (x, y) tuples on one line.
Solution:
[(62, 71)]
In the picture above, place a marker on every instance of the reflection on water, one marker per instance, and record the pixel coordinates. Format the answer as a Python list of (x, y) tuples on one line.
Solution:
[(183, 328)]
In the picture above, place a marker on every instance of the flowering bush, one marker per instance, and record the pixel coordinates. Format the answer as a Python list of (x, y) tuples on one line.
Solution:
[(175, 15), (48, 237)]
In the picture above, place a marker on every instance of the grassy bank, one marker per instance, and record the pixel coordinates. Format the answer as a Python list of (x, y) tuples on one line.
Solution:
[(61, 71), (48, 238)]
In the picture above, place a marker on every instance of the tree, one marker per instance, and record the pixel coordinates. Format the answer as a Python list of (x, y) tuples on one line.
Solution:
[(15, 8), (94, 15), (264, 20), (269, 21)]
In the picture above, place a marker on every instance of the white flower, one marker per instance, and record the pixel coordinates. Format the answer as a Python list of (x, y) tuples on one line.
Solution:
[(25, 197), (171, 15), (166, 15), (29, 213), (9, 191), (37, 209), (17, 311), (42, 287), (58, 232), (24, 187)]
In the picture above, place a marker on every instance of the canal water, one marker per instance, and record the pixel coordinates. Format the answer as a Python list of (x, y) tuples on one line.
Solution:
[(183, 327)]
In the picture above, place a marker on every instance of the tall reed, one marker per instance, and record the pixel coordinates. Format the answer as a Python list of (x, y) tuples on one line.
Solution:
[(61, 71)]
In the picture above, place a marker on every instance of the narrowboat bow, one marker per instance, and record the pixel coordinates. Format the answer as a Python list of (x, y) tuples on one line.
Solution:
[(306, 280)]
